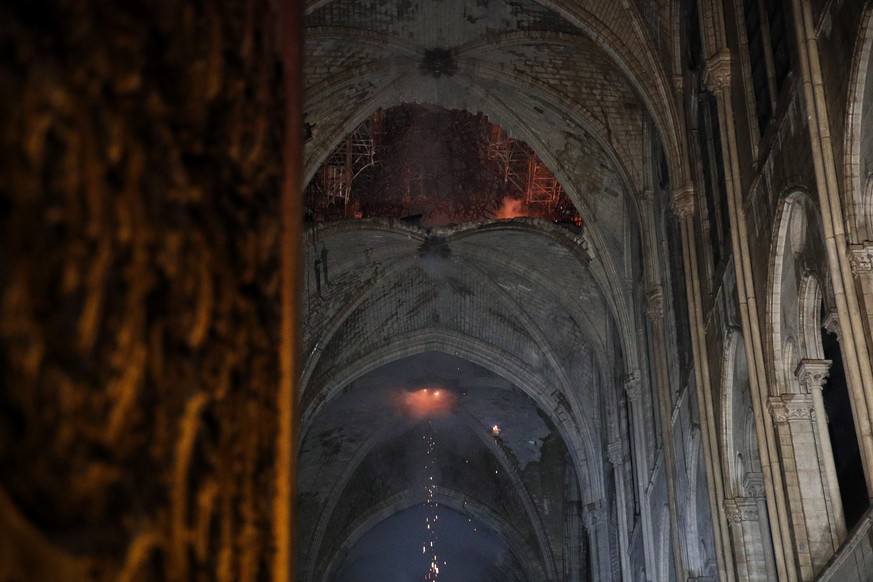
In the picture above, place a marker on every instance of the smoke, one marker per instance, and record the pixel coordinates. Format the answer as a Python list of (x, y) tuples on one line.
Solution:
[(426, 402)]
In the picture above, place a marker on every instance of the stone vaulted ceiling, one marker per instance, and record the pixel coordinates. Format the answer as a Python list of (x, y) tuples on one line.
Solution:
[(474, 309), (528, 325)]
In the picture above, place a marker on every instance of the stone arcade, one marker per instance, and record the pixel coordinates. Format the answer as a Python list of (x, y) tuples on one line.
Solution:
[(375, 290)]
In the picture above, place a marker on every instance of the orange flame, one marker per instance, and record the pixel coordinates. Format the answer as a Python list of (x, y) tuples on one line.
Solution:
[(511, 208), (427, 402)]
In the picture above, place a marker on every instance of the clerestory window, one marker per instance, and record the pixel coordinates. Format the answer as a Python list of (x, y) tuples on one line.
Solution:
[(769, 61)]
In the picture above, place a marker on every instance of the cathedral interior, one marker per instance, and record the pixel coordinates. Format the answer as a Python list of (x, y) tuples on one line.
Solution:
[(459, 290)]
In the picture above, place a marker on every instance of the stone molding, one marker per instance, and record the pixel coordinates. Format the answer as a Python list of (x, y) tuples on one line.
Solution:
[(753, 485), (683, 201), (740, 509), (717, 75), (791, 408), (655, 302), (594, 513), (633, 386), (861, 258), (812, 373), (831, 324), (615, 452)]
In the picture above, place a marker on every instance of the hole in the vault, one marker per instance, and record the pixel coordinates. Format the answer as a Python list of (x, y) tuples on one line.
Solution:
[(430, 166)]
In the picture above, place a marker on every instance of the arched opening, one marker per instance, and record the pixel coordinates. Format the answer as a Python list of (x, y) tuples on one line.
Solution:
[(800, 375), (440, 444), (820, 331), (841, 426), (747, 505), (859, 137)]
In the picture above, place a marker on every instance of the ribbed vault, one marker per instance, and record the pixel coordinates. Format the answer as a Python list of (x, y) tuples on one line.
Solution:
[(533, 326)]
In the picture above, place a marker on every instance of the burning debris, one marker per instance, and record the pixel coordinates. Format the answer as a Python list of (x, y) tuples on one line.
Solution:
[(427, 402)]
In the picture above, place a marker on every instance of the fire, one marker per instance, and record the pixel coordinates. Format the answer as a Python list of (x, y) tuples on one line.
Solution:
[(426, 402), (511, 208)]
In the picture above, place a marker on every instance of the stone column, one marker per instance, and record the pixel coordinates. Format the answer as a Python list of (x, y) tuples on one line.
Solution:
[(754, 487), (615, 453), (655, 311), (805, 482), (750, 531), (575, 549), (812, 374), (633, 390), (744, 516), (733, 515), (718, 80), (596, 520), (684, 208)]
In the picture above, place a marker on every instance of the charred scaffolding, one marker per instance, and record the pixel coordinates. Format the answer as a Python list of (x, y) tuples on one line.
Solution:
[(435, 167)]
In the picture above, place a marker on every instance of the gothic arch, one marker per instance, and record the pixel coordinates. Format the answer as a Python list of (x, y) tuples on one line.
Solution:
[(795, 252), (859, 133), (742, 463), (730, 376), (577, 432), (738, 437), (631, 50), (456, 501), (603, 264), (314, 546)]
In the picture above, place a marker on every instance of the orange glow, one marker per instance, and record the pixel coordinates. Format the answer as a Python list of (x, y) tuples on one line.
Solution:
[(511, 208), (427, 402)]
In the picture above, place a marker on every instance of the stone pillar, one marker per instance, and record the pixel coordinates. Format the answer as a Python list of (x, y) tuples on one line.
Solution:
[(575, 549), (655, 310), (744, 517), (763, 563), (733, 515), (718, 80), (633, 390), (750, 532), (615, 453), (805, 481), (812, 374), (684, 208), (595, 517)]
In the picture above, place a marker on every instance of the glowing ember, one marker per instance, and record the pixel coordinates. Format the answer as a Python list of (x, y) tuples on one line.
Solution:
[(427, 402), (511, 208), (433, 571)]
